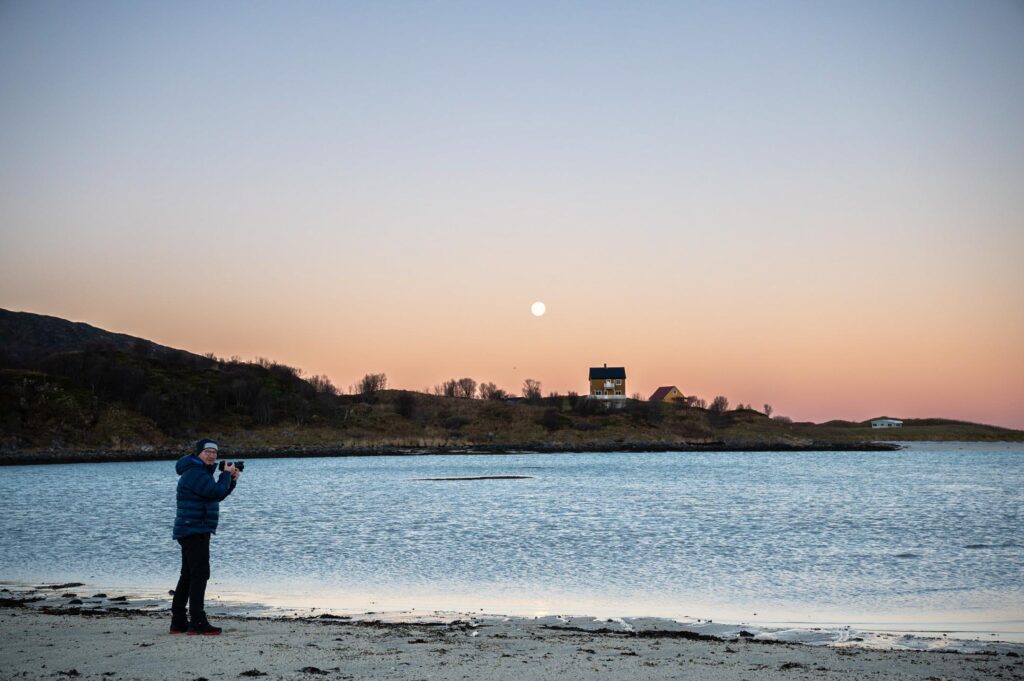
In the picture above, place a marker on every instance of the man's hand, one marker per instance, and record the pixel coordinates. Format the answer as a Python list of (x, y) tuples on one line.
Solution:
[(230, 468)]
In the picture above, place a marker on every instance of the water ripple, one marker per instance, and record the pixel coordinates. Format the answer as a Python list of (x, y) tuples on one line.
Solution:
[(918, 529)]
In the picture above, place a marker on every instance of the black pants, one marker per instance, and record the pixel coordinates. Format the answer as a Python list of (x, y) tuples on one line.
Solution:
[(195, 571)]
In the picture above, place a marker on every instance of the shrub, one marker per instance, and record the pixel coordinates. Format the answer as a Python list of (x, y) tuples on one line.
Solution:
[(405, 404), (719, 405), (455, 422), (650, 413), (372, 383), (490, 391), (552, 420), (585, 407)]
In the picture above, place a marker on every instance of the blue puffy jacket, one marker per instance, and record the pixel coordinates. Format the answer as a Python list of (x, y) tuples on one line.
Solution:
[(198, 497)]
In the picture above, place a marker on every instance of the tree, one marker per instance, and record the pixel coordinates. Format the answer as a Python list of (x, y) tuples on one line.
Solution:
[(719, 405), (372, 383), (466, 388), (531, 390), (322, 384), (490, 391), (696, 402), (768, 410)]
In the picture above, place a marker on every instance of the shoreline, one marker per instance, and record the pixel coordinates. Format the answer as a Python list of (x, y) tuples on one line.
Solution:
[(948, 633), (68, 455), (128, 638)]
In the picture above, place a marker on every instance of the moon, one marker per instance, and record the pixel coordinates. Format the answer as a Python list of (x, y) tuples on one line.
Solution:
[(538, 309)]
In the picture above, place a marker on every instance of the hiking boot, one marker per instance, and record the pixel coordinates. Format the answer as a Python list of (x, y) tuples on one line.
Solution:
[(202, 627), (179, 624)]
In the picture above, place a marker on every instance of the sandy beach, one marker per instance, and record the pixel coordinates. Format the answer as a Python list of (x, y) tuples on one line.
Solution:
[(70, 642)]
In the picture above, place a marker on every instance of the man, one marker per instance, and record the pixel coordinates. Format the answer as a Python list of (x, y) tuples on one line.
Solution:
[(198, 510)]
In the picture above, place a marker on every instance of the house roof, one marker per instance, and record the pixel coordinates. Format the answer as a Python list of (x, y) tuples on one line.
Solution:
[(607, 372), (662, 392)]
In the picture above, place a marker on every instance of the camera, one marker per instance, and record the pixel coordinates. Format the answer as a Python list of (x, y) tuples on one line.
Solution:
[(240, 465)]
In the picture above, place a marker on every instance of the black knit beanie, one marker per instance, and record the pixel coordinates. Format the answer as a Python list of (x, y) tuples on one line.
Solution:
[(205, 443)]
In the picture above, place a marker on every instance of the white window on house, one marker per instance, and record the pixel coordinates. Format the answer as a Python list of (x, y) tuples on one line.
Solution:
[(618, 392), (618, 381)]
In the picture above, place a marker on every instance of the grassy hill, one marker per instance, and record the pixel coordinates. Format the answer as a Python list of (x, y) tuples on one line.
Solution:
[(93, 390)]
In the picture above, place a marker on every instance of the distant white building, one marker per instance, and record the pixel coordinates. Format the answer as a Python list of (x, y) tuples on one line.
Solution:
[(887, 423)]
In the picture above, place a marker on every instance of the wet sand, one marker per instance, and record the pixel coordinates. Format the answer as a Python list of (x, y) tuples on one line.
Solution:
[(62, 642)]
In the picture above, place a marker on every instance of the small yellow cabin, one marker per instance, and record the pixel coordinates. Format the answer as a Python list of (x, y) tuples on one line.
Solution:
[(668, 393)]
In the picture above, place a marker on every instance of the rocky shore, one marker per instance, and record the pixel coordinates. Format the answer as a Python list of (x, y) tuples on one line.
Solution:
[(117, 641)]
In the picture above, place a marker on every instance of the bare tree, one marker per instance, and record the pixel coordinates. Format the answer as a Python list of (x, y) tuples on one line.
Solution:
[(466, 388), (322, 384), (768, 410), (490, 391), (696, 402), (372, 383), (719, 405), (531, 390)]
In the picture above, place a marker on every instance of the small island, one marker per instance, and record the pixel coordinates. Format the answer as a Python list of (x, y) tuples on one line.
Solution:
[(72, 393)]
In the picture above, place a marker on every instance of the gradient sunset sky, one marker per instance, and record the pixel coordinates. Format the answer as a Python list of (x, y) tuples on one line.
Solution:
[(817, 205)]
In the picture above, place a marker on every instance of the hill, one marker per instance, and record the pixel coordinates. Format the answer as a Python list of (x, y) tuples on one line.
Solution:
[(71, 388), (27, 338)]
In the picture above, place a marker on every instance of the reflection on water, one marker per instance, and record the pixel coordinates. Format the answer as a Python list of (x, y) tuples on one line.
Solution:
[(811, 536)]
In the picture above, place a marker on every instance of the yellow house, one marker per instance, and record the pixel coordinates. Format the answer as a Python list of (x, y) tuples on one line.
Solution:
[(607, 383), (668, 393)]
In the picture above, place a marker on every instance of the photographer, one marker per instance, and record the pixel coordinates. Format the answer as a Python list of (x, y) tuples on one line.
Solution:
[(196, 520)]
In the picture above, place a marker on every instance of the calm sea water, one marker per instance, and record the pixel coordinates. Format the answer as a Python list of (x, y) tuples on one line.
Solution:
[(933, 532)]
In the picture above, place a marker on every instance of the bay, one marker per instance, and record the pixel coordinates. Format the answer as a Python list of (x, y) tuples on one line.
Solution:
[(930, 534)]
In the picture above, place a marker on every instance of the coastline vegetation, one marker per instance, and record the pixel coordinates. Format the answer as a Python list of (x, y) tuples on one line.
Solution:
[(104, 392)]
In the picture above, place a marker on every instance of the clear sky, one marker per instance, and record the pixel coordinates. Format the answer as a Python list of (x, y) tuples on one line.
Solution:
[(817, 205)]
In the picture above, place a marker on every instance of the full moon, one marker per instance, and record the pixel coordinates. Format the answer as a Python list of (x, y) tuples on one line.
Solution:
[(538, 309)]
